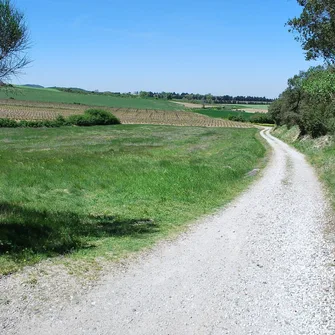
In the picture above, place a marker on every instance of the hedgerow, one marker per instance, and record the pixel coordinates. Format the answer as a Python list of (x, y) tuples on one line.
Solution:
[(91, 117)]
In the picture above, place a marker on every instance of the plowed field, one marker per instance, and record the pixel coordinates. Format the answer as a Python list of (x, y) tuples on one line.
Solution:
[(22, 110)]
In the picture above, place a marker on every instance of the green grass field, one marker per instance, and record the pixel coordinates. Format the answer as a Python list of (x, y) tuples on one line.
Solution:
[(112, 190), (55, 96), (223, 113), (247, 106), (259, 118), (319, 151)]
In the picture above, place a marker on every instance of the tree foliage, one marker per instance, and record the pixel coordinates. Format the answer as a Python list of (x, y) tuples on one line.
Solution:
[(14, 40), (309, 99), (316, 29), (205, 98), (308, 102)]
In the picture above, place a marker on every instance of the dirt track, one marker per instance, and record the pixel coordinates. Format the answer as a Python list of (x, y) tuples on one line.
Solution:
[(263, 265)]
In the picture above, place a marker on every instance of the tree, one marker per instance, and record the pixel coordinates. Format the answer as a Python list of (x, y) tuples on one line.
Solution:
[(308, 102), (14, 41), (316, 29)]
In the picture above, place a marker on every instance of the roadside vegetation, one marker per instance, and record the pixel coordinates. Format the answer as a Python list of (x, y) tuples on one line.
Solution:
[(108, 191), (319, 151), (305, 111), (309, 100)]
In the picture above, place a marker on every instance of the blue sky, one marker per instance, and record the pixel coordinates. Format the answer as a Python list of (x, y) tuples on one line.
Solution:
[(219, 47)]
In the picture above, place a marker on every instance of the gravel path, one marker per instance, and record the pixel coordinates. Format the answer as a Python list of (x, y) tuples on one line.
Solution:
[(263, 265)]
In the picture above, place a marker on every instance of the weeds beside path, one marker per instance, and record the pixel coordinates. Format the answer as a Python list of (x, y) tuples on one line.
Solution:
[(320, 152)]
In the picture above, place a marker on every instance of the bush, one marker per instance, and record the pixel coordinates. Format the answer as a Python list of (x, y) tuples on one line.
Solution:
[(61, 121), (308, 102), (94, 117), (100, 116), (255, 118), (261, 118), (91, 117), (315, 119), (237, 118), (8, 123), (78, 120)]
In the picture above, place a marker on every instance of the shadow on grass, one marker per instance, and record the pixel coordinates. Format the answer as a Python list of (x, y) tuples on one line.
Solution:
[(52, 233)]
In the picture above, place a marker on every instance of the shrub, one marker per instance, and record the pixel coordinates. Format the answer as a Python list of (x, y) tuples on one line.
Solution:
[(308, 102), (91, 117), (261, 118), (8, 123), (61, 121), (94, 117), (77, 120), (237, 118), (30, 124), (102, 117)]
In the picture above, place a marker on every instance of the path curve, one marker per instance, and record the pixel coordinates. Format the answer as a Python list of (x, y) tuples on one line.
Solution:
[(260, 266)]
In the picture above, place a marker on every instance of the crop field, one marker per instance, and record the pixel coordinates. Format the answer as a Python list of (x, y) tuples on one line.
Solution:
[(55, 96), (238, 107), (23, 110), (174, 118), (223, 113), (247, 108)]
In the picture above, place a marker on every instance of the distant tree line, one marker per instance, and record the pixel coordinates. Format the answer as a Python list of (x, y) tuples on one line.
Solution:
[(206, 98), (189, 97)]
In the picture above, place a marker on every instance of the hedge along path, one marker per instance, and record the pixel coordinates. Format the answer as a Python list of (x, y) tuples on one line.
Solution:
[(23, 110)]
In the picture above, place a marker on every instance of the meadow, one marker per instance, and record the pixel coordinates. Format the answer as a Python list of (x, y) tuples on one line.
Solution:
[(23, 93), (109, 191), (223, 113), (236, 115)]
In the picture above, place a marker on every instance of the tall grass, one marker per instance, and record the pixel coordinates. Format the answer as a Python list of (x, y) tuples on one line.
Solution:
[(106, 191)]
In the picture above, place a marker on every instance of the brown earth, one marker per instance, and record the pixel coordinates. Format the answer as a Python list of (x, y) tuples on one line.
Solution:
[(22, 110)]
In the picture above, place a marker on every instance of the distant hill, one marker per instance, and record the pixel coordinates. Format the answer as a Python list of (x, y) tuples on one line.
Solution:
[(33, 85), (70, 89)]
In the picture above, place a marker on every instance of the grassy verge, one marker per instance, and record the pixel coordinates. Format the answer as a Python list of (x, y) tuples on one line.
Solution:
[(320, 152), (112, 190)]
